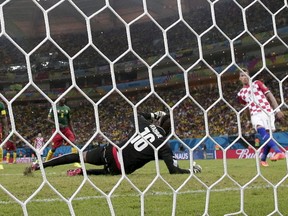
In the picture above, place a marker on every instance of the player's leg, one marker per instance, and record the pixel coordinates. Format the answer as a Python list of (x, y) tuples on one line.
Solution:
[(94, 156), (33, 156), (50, 153), (7, 157), (69, 134), (14, 156), (75, 151), (266, 151), (64, 159), (1, 158), (262, 123), (270, 144), (56, 142), (42, 155)]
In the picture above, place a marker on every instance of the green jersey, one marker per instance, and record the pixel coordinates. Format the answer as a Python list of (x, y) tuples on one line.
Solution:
[(63, 113)]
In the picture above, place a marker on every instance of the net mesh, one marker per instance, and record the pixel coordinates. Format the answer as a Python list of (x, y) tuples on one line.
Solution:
[(112, 59)]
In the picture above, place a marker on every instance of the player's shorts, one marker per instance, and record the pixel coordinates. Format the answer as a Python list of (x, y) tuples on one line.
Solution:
[(10, 146), (265, 120), (104, 156), (58, 140)]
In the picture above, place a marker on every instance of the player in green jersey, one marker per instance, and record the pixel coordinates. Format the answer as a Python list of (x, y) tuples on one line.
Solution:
[(3, 129), (65, 125)]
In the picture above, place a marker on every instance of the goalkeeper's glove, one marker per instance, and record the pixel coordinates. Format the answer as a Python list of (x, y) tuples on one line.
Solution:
[(157, 115), (196, 168)]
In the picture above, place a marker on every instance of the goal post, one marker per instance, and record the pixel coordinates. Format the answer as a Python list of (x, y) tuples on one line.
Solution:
[(112, 59)]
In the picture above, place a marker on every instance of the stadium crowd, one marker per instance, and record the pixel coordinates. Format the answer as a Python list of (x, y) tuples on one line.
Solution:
[(114, 113), (199, 18)]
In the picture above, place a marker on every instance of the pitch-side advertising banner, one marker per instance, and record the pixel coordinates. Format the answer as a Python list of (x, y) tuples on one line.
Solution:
[(240, 154)]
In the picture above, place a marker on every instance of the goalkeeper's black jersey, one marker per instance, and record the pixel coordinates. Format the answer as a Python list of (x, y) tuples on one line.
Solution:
[(139, 152)]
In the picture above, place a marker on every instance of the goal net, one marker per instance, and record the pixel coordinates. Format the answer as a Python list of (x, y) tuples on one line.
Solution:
[(113, 59)]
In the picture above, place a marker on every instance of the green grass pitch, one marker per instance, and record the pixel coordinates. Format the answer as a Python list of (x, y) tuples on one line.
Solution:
[(216, 190)]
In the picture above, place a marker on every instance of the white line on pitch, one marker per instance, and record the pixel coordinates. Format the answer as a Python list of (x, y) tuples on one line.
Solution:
[(148, 194)]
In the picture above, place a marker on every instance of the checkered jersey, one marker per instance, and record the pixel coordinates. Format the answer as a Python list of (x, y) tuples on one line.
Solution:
[(39, 142), (257, 100)]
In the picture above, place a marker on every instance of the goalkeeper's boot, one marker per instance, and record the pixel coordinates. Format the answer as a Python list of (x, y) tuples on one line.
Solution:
[(74, 172), (264, 164), (35, 166), (278, 156)]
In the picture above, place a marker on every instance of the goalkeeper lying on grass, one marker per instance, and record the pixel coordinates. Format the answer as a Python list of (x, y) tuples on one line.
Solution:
[(136, 153)]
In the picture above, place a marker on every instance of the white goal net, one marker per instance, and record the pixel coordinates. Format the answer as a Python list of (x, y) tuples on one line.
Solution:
[(113, 59)]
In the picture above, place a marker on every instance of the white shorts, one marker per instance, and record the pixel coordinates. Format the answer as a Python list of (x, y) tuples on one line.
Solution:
[(264, 120)]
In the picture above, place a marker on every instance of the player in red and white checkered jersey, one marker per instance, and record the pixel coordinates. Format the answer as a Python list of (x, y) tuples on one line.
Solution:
[(38, 143), (263, 108), (259, 102)]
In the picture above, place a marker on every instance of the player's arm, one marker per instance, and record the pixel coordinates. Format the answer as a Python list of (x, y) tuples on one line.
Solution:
[(240, 100), (50, 118), (272, 100), (246, 118)]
